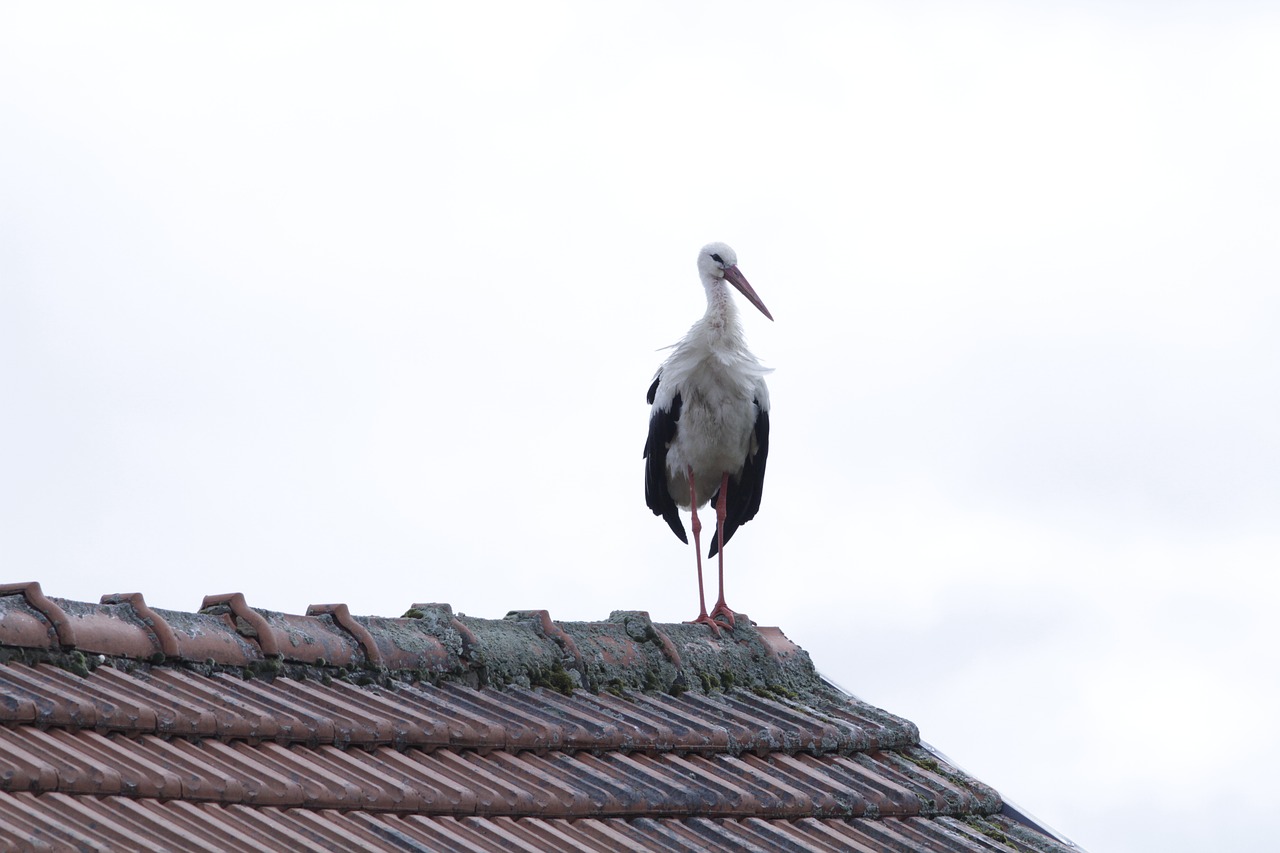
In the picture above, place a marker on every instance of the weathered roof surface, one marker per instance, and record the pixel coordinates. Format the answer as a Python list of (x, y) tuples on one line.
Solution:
[(242, 729)]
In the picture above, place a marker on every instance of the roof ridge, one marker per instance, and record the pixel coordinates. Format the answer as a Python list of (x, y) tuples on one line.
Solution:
[(626, 652)]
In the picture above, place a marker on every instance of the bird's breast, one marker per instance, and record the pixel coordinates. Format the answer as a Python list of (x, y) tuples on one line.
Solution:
[(712, 438)]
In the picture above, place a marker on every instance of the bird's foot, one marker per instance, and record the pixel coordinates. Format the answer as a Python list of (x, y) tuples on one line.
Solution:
[(722, 609), (704, 619)]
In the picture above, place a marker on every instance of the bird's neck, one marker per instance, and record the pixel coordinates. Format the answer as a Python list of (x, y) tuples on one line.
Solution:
[(721, 320)]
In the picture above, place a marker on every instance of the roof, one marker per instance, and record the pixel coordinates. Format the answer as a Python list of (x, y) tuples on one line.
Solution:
[(237, 728)]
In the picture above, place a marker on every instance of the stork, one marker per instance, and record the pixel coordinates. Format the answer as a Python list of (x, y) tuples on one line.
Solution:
[(709, 425)]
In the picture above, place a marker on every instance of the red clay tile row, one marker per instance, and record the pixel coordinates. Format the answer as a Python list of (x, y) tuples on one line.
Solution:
[(449, 782), (527, 647), (170, 702), (228, 632), (58, 822)]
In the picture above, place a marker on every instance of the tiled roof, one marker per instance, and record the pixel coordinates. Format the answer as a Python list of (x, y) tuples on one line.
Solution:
[(242, 729)]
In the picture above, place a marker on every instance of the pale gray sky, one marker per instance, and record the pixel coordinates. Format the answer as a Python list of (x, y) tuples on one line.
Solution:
[(359, 303)]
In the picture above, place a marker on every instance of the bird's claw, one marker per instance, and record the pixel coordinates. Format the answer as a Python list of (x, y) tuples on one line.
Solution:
[(722, 609), (725, 620), (704, 619)]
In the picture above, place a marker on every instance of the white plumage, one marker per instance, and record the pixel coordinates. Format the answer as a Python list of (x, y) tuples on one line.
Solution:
[(709, 425)]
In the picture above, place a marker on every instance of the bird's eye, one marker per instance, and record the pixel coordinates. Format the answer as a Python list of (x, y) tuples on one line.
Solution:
[(717, 259)]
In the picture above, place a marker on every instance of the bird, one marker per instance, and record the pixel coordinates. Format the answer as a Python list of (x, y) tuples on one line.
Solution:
[(709, 423)]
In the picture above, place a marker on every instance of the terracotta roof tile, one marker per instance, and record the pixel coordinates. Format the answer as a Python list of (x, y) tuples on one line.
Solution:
[(242, 729), (58, 819), (534, 834)]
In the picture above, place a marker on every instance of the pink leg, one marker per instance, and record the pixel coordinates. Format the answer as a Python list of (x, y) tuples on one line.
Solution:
[(722, 609), (703, 618)]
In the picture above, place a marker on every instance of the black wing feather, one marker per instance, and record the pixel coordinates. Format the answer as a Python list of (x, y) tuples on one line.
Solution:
[(743, 501), (662, 429)]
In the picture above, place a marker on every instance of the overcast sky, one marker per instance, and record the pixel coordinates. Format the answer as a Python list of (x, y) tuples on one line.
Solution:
[(360, 303)]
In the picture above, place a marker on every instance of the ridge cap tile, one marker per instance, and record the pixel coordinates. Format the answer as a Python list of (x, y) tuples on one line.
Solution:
[(416, 644), (28, 598), (313, 640), (149, 619), (209, 639), (244, 620), (108, 629), (340, 615)]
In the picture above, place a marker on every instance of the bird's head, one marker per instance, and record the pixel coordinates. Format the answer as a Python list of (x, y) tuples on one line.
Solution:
[(714, 258), (717, 261)]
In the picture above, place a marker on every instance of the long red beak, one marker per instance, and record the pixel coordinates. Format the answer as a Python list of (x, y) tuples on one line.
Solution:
[(736, 278)]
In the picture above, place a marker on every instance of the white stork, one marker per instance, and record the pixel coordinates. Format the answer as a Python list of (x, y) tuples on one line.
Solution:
[(709, 426)]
